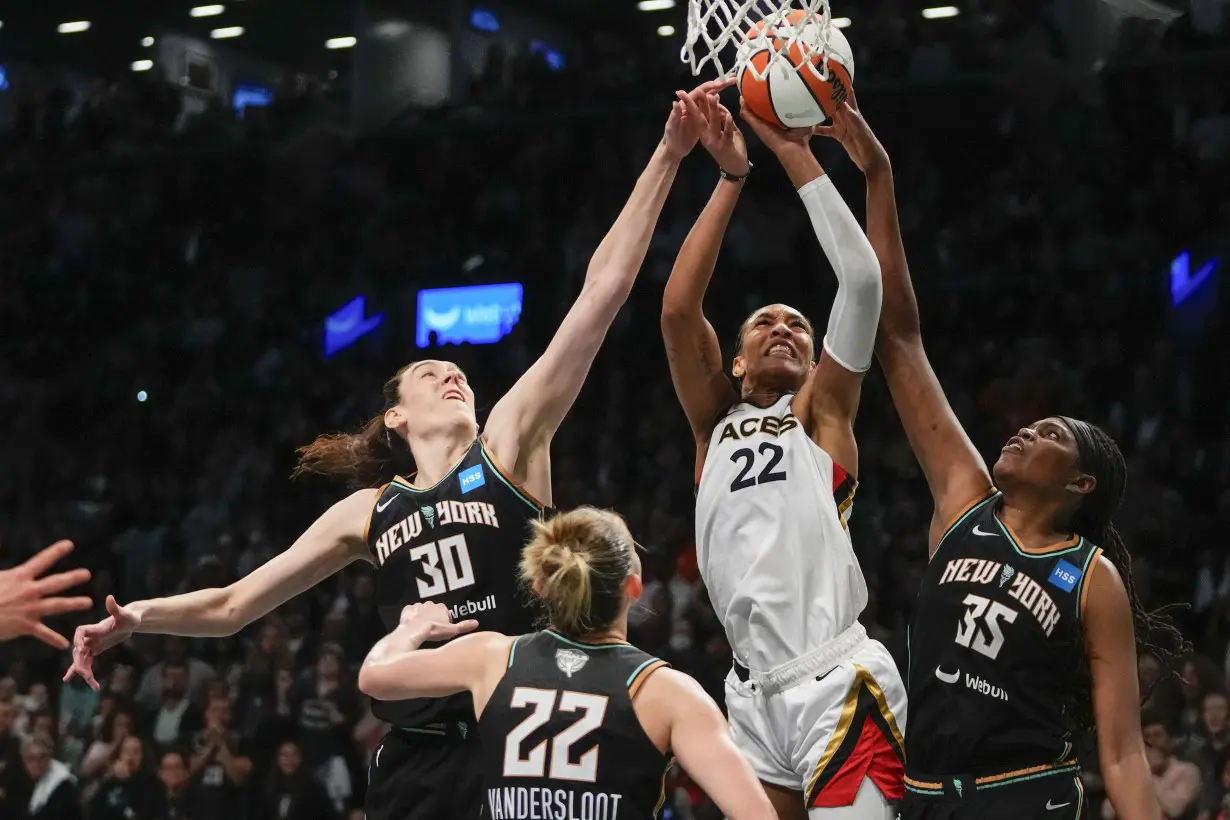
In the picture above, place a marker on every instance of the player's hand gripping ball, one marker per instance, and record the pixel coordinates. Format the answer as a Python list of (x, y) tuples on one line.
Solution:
[(801, 98)]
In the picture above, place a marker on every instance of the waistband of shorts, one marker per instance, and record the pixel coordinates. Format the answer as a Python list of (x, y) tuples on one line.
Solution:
[(815, 663), (965, 785), (445, 731)]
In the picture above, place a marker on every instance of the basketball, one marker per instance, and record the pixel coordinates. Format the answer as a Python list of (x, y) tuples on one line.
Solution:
[(792, 95)]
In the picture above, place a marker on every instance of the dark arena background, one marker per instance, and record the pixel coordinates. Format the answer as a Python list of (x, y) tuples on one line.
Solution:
[(222, 228)]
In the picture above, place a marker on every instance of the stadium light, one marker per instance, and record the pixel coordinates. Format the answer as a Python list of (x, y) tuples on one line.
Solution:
[(940, 12), (74, 28), (340, 42), (842, 22), (226, 33), (655, 5), (142, 65), (206, 11), (147, 41), (666, 31)]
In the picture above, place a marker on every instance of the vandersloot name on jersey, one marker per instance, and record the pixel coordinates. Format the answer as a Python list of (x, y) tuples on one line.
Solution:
[(540, 803)]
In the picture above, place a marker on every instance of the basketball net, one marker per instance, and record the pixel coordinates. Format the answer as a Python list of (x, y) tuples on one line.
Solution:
[(713, 25)]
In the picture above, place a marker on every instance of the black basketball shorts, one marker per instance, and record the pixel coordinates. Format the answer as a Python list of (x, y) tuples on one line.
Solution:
[(1057, 796), (421, 776)]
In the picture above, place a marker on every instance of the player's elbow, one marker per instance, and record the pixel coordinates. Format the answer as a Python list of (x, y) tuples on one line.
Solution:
[(374, 682), (864, 288)]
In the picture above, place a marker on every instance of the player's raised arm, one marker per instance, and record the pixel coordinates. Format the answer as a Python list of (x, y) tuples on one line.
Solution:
[(397, 667), (525, 420), (957, 475), (692, 347), (333, 541), (829, 400)]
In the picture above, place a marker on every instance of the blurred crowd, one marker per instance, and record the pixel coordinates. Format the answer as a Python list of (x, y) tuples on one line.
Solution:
[(166, 277)]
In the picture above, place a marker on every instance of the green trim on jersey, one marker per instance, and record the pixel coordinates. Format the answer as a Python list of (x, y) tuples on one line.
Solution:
[(534, 505), (1080, 587), (580, 645), (992, 497)]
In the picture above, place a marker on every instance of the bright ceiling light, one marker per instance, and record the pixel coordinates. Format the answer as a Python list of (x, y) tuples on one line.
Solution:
[(226, 33), (147, 41), (940, 12), (842, 22), (142, 65), (207, 11), (340, 42), (666, 31), (655, 5), (74, 28)]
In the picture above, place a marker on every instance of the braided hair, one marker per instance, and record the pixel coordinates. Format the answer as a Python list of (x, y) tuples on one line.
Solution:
[(1099, 456)]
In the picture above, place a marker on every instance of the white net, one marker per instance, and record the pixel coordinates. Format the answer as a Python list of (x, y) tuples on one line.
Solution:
[(716, 25)]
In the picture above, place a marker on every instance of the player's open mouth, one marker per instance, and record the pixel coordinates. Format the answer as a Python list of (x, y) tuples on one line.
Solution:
[(1014, 445), (455, 394), (783, 350)]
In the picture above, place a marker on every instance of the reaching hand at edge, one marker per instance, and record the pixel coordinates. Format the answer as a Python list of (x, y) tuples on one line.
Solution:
[(91, 639), (25, 598)]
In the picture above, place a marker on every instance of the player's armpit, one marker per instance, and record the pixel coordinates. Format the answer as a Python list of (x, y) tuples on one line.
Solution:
[(700, 740), (955, 472), (828, 405), (1111, 646)]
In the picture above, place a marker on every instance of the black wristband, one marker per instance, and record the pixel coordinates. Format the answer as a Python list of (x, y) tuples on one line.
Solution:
[(729, 177)]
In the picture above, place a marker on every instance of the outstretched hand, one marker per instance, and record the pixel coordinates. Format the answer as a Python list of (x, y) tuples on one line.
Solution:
[(719, 134), (855, 135), (25, 599), (683, 128), (92, 639)]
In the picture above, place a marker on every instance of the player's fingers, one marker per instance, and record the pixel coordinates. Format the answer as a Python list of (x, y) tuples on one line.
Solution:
[(465, 626), (47, 557), (714, 86), (826, 131), (57, 606), (61, 581), (48, 635), (690, 107)]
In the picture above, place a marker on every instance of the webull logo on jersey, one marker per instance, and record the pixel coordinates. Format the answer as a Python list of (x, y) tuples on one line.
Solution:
[(468, 608), (1033, 598), (758, 425), (538, 803), (972, 682), (478, 513)]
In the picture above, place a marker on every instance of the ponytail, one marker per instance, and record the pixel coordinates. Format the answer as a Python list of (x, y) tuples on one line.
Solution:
[(576, 564), (369, 458)]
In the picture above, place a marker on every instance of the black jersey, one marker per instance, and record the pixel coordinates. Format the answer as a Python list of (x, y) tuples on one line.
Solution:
[(995, 645), (458, 544), (560, 738)]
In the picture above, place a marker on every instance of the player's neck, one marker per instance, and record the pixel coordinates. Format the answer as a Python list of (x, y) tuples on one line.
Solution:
[(1031, 520), (761, 396), (437, 453)]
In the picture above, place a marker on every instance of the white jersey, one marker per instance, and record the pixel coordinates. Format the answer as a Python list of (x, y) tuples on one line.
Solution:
[(771, 537)]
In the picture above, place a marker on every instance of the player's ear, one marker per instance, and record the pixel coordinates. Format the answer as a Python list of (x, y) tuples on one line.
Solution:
[(739, 368), (1083, 484), (393, 418), (635, 587)]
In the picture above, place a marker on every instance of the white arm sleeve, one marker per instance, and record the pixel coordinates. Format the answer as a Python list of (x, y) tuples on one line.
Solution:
[(851, 335)]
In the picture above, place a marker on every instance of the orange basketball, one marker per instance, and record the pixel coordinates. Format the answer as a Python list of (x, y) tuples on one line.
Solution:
[(799, 98)]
